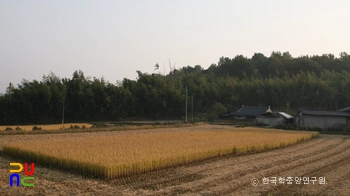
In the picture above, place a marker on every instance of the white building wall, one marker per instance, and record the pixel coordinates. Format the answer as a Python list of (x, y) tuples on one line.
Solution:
[(271, 122), (323, 122), (262, 120), (275, 122)]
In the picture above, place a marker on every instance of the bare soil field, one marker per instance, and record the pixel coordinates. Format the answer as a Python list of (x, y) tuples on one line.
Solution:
[(326, 156)]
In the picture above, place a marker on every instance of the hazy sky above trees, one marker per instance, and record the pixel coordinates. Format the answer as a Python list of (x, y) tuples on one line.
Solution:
[(114, 38)]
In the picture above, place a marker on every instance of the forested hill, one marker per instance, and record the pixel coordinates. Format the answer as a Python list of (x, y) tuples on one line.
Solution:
[(280, 81)]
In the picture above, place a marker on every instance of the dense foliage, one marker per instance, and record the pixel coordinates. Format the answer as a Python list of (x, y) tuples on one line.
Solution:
[(279, 81)]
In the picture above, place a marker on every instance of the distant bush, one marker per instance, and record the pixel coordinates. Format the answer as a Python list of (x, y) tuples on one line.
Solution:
[(286, 127), (334, 129), (18, 129), (331, 130), (101, 125), (8, 129), (74, 127), (36, 128)]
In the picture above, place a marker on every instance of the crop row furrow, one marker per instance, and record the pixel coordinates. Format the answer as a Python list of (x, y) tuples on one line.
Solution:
[(268, 168), (316, 172), (201, 169), (230, 174), (329, 156)]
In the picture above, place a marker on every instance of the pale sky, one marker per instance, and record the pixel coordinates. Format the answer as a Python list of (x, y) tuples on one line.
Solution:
[(115, 38)]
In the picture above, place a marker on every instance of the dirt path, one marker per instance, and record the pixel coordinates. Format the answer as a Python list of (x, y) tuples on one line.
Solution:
[(327, 156)]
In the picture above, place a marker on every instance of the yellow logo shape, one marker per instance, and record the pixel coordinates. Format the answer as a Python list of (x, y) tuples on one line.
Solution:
[(16, 170)]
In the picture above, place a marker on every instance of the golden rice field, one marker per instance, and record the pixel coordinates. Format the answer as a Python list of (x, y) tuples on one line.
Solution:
[(117, 155), (46, 127)]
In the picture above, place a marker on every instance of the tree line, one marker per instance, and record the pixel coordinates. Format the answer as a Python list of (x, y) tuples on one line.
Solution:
[(280, 81)]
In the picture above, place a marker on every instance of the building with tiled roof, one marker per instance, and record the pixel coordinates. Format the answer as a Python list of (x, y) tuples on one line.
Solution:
[(273, 119), (323, 119)]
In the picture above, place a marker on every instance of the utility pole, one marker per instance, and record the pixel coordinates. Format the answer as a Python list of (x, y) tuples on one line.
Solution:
[(10, 90), (186, 107), (63, 110), (337, 93), (192, 108)]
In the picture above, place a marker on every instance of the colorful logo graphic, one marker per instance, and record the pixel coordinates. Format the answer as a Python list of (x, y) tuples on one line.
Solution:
[(17, 177)]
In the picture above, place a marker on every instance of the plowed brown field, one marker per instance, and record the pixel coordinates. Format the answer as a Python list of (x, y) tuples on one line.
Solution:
[(327, 156)]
